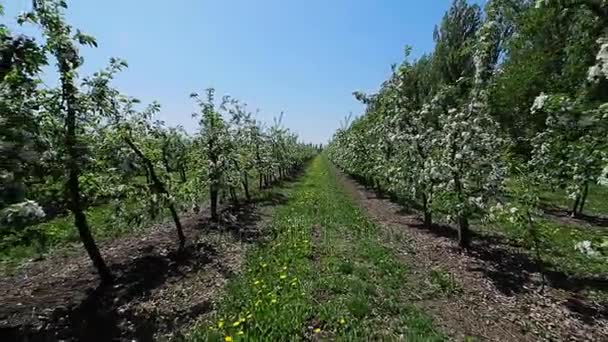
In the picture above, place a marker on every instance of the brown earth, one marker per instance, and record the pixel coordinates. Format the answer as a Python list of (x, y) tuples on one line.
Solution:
[(500, 297), (158, 291)]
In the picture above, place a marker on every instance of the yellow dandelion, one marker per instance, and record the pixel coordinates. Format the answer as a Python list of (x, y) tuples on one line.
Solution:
[(342, 321), (228, 338), (317, 330)]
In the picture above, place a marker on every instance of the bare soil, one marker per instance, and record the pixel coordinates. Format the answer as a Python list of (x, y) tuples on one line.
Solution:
[(501, 297), (158, 291)]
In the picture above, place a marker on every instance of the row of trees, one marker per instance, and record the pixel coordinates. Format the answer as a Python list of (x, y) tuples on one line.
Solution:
[(515, 93), (69, 148)]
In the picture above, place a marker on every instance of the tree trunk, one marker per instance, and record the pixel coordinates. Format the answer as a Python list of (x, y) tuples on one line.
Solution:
[(464, 234), (537, 249), (583, 199), (178, 227), (166, 161), (182, 173), (233, 196), (573, 213), (80, 221), (261, 180), (157, 186), (428, 215), (246, 186), (73, 168), (213, 192), (376, 185)]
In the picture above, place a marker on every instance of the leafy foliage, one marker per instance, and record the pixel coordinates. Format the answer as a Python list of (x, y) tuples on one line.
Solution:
[(516, 93), (84, 145)]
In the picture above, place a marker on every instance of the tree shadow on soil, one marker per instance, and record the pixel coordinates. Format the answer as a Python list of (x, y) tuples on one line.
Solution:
[(105, 315), (242, 219), (510, 269), (75, 311), (513, 272), (106, 312), (588, 313)]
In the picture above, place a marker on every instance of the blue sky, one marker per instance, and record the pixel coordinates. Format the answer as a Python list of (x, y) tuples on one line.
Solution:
[(302, 57)]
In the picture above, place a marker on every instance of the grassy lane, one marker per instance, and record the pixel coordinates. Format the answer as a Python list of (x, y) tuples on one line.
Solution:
[(322, 275)]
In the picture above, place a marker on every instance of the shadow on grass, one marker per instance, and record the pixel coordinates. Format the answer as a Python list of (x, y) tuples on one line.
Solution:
[(563, 215)]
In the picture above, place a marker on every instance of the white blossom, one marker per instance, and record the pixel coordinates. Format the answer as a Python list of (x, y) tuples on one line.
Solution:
[(585, 247), (539, 102), (27, 210), (600, 69)]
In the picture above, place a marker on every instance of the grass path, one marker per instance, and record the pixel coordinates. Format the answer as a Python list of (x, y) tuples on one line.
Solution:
[(323, 274)]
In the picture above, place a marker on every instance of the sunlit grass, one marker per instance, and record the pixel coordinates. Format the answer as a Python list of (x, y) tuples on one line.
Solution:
[(324, 273), (596, 203)]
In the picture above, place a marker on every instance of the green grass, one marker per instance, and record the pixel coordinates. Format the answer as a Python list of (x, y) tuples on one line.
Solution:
[(562, 255), (324, 274), (596, 204), (443, 283), (558, 246), (560, 236)]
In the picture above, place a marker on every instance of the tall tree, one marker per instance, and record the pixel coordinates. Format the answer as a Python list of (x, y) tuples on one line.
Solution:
[(455, 42), (61, 43)]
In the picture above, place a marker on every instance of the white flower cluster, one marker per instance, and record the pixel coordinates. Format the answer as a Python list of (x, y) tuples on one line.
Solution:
[(430, 152), (539, 102), (26, 211), (586, 248), (603, 178), (600, 69)]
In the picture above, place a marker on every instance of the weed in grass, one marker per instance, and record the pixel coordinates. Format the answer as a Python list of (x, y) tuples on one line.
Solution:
[(359, 307), (346, 267), (443, 282)]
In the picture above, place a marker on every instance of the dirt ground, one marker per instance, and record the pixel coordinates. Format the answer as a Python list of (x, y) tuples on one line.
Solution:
[(158, 291), (501, 298)]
